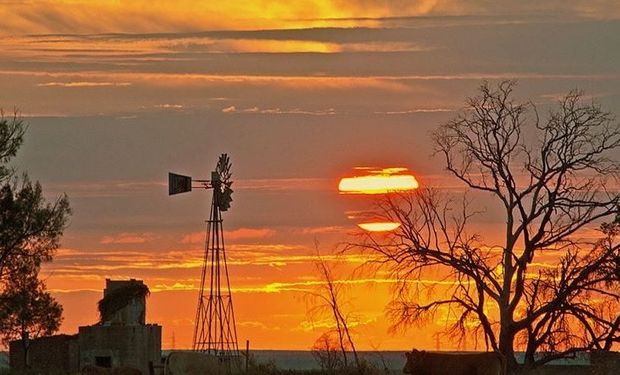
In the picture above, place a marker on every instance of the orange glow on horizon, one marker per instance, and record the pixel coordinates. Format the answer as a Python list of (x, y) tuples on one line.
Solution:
[(386, 226)]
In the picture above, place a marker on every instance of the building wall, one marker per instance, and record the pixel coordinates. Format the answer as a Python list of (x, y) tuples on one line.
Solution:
[(605, 363), (133, 346), (562, 370), (122, 340), (47, 354), (601, 363)]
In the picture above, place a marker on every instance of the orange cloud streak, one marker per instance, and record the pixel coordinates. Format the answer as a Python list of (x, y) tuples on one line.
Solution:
[(86, 16)]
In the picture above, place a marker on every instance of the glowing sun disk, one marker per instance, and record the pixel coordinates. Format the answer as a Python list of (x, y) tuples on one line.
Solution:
[(380, 184), (379, 226)]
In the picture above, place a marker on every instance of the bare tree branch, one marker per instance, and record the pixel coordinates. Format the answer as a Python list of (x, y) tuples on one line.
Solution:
[(545, 288)]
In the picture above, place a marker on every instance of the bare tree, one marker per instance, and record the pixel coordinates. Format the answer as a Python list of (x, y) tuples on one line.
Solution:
[(327, 352), (547, 287), (328, 297)]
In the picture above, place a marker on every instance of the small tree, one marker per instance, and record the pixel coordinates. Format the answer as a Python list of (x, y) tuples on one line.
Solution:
[(327, 352), (27, 310), (545, 288), (328, 298)]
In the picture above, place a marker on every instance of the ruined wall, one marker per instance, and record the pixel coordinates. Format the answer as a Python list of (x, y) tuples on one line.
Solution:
[(601, 363), (562, 370), (112, 346), (604, 363), (122, 339), (47, 354)]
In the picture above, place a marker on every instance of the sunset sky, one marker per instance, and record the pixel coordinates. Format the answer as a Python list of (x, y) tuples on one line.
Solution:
[(299, 94)]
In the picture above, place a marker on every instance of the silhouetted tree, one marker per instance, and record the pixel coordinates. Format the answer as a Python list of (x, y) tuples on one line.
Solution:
[(327, 352), (327, 297), (11, 137), (30, 227), (30, 231), (547, 288), (27, 310)]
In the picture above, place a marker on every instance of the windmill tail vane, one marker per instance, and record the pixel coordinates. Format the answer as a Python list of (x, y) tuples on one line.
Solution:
[(215, 330)]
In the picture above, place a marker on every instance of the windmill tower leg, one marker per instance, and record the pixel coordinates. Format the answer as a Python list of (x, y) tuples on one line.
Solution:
[(215, 330)]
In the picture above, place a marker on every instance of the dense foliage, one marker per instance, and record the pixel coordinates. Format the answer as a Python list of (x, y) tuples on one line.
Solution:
[(27, 308), (30, 231)]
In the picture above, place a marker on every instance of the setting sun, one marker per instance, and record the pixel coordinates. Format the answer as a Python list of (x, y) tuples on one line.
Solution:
[(379, 226), (382, 182)]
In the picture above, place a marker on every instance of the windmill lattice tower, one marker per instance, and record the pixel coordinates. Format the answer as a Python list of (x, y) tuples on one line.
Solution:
[(215, 329)]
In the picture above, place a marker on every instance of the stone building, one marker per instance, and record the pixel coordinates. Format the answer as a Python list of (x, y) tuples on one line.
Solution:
[(57, 353), (120, 338)]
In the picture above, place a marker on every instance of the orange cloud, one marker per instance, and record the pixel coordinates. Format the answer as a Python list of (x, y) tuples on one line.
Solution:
[(128, 238), (85, 16), (175, 286), (321, 230), (236, 234), (339, 83), (244, 233), (90, 16), (280, 184), (279, 111), (83, 84)]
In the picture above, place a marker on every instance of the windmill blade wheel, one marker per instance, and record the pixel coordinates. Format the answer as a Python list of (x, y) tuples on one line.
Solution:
[(225, 176)]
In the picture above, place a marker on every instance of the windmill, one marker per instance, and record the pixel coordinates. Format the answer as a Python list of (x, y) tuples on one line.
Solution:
[(215, 330)]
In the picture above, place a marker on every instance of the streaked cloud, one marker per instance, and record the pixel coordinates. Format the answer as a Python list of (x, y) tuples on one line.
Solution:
[(175, 286), (324, 229), (62, 16), (283, 184), (170, 106), (417, 110), (300, 286), (129, 238), (231, 235), (83, 84), (279, 111)]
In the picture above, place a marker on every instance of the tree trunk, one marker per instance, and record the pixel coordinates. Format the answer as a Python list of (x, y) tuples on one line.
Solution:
[(25, 346), (506, 347)]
